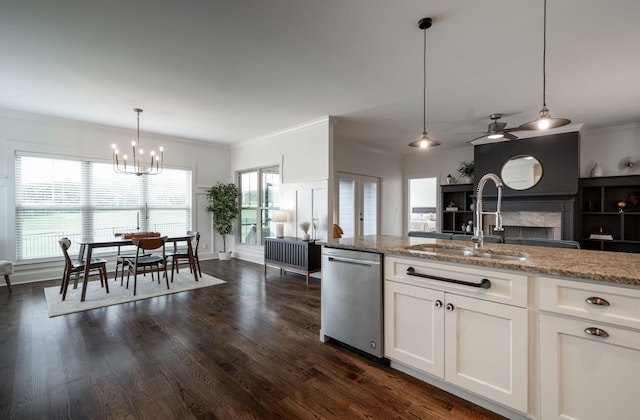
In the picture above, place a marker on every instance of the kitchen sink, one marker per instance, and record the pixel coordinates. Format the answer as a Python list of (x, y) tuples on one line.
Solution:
[(434, 249)]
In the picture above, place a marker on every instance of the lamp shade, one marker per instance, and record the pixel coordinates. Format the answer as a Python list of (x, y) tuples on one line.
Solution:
[(279, 216)]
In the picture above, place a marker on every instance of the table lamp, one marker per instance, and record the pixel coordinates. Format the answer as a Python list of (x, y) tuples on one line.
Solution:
[(279, 217)]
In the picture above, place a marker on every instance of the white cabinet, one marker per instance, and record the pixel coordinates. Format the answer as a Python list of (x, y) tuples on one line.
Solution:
[(414, 326), (468, 336), (589, 350)]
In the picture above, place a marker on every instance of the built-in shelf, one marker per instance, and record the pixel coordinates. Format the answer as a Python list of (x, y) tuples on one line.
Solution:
[(597, 204), (462, 196)]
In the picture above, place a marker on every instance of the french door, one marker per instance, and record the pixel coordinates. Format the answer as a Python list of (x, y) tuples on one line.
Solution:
[(358, 204)]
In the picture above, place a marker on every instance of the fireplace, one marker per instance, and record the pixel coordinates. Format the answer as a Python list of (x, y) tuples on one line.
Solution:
[(528, 224), (531, 217)]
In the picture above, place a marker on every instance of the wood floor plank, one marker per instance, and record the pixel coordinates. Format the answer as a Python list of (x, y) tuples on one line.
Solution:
[(248, 348)]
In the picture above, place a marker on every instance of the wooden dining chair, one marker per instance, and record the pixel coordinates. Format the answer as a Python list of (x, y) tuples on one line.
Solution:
[(176, 255), (78, 266), (153, 262), (122, 259)]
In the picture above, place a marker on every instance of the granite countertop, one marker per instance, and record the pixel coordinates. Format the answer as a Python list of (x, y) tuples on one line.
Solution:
[(613, 267)]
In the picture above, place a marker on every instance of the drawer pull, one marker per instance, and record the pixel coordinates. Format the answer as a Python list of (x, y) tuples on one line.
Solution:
[(450, 307), (437, 304), (484, 283), (593, 300), (596, 331)]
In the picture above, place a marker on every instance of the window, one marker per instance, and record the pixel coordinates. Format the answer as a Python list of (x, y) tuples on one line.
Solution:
[(259, 196), (80, 199)]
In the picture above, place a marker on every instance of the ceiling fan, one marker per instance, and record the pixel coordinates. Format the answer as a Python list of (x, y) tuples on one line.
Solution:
[(495, 130)]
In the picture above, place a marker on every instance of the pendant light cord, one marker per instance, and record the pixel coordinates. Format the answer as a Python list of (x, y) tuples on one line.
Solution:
[(544, 57), (424, 82)]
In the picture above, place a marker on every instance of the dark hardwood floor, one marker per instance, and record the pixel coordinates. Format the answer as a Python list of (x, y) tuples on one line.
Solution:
[(245, 349)]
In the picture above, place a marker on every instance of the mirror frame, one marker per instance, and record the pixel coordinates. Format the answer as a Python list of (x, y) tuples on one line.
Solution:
[(535, 179)]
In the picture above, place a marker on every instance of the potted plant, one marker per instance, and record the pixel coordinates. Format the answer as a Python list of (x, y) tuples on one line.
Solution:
[(466, 172), (223, 203), (305, 228)]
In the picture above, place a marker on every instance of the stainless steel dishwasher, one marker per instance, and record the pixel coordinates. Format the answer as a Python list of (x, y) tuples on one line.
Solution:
[(352, 299)]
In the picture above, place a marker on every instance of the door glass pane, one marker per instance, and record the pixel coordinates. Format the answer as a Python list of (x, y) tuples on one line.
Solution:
[(347, 205), (370, 208)]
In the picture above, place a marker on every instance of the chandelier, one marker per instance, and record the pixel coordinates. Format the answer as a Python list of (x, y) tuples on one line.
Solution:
[(138, 165)]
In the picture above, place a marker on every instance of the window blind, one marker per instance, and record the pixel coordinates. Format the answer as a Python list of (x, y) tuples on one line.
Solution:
[(58, 198)]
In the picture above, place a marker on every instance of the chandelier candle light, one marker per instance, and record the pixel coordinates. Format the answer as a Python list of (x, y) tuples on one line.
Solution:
[(139, 167)]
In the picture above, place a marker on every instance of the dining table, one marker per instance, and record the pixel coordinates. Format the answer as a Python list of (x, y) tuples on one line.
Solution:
[(88, 244)]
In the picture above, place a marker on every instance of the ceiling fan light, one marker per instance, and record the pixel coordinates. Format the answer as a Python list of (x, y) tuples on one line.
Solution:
[(424, 142), (495, 136)]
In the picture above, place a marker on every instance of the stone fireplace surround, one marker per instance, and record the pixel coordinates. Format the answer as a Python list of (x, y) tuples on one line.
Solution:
[(519, 215)]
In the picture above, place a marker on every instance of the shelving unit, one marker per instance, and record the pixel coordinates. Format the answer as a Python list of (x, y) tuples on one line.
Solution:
[(598, 207), (462, 195)]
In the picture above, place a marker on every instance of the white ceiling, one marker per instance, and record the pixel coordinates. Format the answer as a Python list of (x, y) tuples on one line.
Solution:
[(226, 71)]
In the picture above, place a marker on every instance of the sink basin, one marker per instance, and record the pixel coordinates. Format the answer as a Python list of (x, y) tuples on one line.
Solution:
[(433, 249)]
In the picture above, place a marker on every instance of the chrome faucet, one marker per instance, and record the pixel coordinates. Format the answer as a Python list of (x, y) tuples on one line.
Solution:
[(478, 236)]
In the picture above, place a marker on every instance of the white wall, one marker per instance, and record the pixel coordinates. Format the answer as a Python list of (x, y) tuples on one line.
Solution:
[(357, 159), (55, 136), (608, 146), (302, 153)]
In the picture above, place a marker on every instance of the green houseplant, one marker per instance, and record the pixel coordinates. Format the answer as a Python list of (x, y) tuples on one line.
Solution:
[(465, 169), (223, 203)]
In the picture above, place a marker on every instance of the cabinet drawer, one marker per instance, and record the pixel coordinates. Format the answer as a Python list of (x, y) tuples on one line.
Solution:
[(506, 287), (588, 377), (570, 297)]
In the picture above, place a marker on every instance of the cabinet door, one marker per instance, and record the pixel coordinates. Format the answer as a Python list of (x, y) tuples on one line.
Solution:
[(588, 377), (487, 349), (413, 327)]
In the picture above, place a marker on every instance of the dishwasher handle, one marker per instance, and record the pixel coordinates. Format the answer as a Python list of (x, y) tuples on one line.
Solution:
[(355, 262), (484, 283)]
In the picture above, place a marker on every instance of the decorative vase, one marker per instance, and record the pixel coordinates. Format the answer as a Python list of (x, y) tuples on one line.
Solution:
[(466, 180), (306, 236), (596, 171)]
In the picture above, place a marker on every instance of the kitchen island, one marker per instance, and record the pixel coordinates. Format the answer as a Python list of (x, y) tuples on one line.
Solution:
[(529, 332), (612, 267)]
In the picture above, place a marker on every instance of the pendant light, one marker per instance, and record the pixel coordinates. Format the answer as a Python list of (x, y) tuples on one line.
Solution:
[(424, 141), (544, 121)]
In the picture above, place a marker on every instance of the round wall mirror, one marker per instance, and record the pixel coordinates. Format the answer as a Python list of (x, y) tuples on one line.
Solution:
[(521, 172)]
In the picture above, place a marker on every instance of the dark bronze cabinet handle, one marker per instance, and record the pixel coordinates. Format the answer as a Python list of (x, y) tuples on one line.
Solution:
[(595, 331), (484, 283), (450, 307), (593, 300), (437, 304)]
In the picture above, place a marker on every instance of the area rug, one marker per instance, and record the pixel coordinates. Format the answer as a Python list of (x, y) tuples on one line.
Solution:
[(97, 297)]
